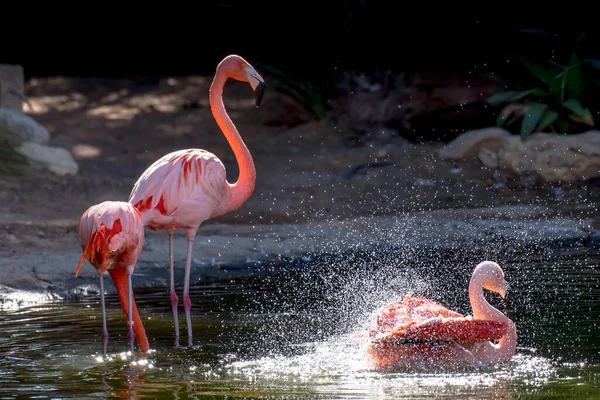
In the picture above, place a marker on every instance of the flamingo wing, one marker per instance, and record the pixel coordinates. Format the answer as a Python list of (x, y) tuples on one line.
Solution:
[(416, 319), (179, 189)]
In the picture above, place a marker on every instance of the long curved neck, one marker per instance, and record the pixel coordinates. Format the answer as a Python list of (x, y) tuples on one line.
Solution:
[(236, 193), (507, 345)]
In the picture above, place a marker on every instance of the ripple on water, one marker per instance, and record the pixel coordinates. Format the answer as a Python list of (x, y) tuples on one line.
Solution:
[(288, 334)]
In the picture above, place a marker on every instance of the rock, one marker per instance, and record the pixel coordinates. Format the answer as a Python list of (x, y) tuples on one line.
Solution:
[(555, 158), (467, 145), (488, 157), (16, 128), (552, 157), (56, 159)]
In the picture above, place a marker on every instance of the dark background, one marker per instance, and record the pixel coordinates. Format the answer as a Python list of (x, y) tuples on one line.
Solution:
[(310, 39)]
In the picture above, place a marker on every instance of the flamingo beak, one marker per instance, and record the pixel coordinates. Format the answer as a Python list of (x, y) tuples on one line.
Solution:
[(257, 83), (504, 288)]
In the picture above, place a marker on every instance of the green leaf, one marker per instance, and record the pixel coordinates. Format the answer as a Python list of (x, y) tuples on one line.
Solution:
[(500, 120), (586, 118), (574, 106), (594, 62), (507, 96), (546, 75), (547, 119), (541, 93), (574, 82), (532, 118), (514, 119)]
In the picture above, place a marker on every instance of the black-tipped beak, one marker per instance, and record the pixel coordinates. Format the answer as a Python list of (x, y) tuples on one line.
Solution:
[(259, 93)]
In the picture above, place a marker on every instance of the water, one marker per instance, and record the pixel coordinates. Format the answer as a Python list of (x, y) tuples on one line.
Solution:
[(288, 333)]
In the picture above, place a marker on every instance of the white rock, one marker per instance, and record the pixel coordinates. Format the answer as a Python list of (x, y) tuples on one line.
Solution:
[(16, 128), (488, 157), (552, 157), (56, 159), (555, 158), (467, 145)]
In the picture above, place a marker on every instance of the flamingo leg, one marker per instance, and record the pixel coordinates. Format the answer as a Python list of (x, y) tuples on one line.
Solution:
[(104, 329), (174, 299), (187, 303), (130, 334)]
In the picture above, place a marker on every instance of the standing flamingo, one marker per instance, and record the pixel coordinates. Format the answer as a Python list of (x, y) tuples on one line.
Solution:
[(186, 187), (112, 236), (419, 333)]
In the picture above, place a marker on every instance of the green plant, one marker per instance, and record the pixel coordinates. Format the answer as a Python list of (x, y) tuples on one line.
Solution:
[(551, 96), (302, 90)]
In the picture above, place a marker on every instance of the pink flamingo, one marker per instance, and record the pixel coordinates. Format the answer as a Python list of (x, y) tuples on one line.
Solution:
[(184, 188), (112, 236), (419, 333)]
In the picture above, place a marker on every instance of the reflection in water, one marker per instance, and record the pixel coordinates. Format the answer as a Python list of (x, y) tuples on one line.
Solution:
[(292, 333)]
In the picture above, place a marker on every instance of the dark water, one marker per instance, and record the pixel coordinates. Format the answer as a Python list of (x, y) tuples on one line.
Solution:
[(287, 333)]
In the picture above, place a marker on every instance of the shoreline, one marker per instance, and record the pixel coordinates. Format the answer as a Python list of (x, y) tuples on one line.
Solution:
[(236, 250)]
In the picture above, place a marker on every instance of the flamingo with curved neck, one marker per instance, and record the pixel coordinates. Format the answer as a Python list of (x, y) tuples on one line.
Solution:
[(419, 333), (184, 188), (490, 276), (112, 235)]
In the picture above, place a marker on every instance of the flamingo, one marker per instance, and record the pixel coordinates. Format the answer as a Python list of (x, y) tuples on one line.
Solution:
[(186, 187), (112, 236), (419, 333)]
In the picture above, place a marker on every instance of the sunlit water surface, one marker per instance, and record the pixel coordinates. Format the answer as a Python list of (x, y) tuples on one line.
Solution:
[(289, 333)]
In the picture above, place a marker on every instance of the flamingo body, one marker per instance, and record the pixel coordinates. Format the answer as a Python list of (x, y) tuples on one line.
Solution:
[(420, 333), (184, 188), (112, 236), (180, 190), (420, 319)]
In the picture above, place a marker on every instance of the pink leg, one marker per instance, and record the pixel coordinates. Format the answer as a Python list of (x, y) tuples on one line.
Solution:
[(130, 334), (104, 329), (187, 303), (173, 295)]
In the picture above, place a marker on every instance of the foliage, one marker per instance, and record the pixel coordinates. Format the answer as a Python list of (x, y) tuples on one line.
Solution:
[(549, 95), (9, 159), (301, 89)]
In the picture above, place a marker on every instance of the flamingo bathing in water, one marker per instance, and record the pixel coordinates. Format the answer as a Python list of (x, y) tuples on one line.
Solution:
[(184, 188), (112, 236), (419, 333)]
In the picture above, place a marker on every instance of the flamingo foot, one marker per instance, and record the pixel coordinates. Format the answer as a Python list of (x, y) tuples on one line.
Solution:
[(104, 342), (187, 306), (174, 302), (131, 338)]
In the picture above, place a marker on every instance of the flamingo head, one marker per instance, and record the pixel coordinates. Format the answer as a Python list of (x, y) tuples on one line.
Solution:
[(237, 68), (492, 277)]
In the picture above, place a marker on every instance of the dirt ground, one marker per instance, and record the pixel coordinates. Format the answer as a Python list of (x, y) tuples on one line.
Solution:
[(117, 128)]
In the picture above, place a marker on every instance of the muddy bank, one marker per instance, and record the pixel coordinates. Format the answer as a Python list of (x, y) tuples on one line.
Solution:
[(223, 251)]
